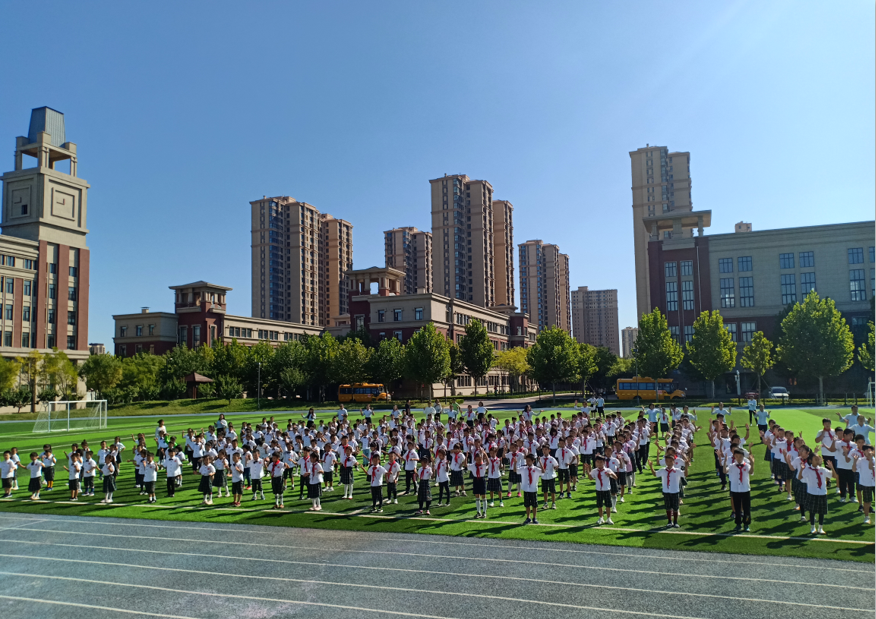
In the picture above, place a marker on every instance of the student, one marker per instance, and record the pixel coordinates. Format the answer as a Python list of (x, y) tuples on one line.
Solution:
[(442, 477), (516, 460), (8, 469), (478, 470), (548, 466), (347, 463), (173, 465), (815, 477), (411, 458), (205, 487), (276, 468), (303, 472), (564, 457), (494, 477), (150, 476), (375, 473), (529, 476), (314, 486), (89, 466), (108, 471), (49, 462), (393, 470), (424, 490), (763, 418), (457, 464), (17, 460), (843, 449), (35, 467), (74, 468), (670, 478), (603, 476), (739, 475), (329, 458), (237, 469), (864, 466), (256, 471)]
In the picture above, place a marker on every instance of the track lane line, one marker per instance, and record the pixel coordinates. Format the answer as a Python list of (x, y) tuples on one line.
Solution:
[(90, 607)]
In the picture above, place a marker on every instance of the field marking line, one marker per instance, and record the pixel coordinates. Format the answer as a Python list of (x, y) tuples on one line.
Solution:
[(89, 606), (250, 598), (420, 555), (23, 524), (430, 572), (606, 528)]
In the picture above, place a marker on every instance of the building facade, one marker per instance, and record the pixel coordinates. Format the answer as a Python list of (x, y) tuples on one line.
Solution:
[(661, 184), (503, 251), (410, 250), (594, 318), (199, 317), (751, 276), (299, 257), (544, 285), (628, 340), (463, 262), (44, 259)]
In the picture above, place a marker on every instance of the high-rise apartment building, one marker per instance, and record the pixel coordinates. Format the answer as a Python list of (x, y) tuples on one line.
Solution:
[(463, 263), (661, 184), (544, 285), (410, 250), (299, 260), (628, 340), (594, 317), (503, 251)]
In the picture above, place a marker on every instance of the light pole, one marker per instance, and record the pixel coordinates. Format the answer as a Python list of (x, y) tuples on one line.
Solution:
[(738, 392), (636, 357), (259, 390)]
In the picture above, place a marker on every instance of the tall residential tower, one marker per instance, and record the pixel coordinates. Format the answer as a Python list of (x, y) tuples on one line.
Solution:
[(594, 317), (544, 285), (410, 250)]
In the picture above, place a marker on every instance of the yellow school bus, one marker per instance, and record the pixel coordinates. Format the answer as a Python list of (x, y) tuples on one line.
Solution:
[(362, 392), (647, 388)]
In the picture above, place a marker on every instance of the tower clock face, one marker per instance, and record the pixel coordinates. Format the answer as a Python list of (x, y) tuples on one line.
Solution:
[(63, 204)]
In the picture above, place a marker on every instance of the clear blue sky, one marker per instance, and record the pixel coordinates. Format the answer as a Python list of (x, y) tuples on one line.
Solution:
[(186, 111)]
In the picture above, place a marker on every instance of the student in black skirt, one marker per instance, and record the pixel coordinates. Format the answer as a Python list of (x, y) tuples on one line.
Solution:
[(424, 490), (109, 478), (478, 471), (494, 477), (314, 483), (441, 476), (347, 462), (815, 477), (205, 486), (276, 469)]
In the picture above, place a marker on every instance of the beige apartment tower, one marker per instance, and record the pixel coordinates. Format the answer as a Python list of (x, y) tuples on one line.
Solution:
[(410, 250), (661, 184), (628, 340), (463, 262), (503, 251), (594, 318), (299, 257), (544, 285)]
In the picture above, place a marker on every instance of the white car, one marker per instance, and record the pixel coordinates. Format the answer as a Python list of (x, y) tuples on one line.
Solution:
[(778, 393)]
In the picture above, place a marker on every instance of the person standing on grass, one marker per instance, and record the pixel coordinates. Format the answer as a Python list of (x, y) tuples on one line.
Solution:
[(602, 477), (548, 466), (478, 470), (494, 477), (411, 458), (205, 487), (73, 470), (150, 476), (442, 476), (35, 467), (670, 479), (564, 457), (739, 475), (173, 465), (303, 472), (815, 477), (529, 475), (109, 471), (49, 462), (864, 467), (424, 490), (752, 409), (347, 464), (314, 484), (8, 469), (795, 463), (625, 468), (779, 449), (220, 479), (844, 474), (375, 472), (237, 469), (137, 460), (612, 463), (89, 466), (256, 471), (276, 468)]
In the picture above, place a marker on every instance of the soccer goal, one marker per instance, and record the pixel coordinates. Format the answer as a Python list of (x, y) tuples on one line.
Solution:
[(67, 415)]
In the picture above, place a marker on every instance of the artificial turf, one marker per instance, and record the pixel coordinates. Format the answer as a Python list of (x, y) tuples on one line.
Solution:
[(705, 515)]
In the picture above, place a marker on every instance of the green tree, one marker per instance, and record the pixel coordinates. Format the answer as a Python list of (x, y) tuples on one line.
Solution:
[(229, 359), (386, 364), (101, 372), (758, 357), (227, 388), (553, 358), (33, 372), (320, 353), (816, 340), (657, 351), (8, 374), (605, 360), (257, 369), (513, 361), (350, 364), (712, 350), (286, 368), (181, 361), (477, 351), (586, 365), (456, 368), (427, 356), (291, 380), (19, 397), (865, 352), (142, 374)]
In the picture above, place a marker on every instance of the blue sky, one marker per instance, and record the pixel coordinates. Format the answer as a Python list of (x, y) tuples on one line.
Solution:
[(186, 111)]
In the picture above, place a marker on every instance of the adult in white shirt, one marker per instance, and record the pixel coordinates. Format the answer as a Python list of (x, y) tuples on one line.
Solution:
[(861, 427), (866, 469), (739, 475), (752, 410)]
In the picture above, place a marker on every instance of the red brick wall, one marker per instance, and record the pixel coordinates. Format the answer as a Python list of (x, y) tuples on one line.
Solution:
[(62, 277), (42, 290), (82, 303)]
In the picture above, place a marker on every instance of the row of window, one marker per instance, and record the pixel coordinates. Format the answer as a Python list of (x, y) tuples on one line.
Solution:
[(29, 340), (747, 330), (138, 330), (398, 315)]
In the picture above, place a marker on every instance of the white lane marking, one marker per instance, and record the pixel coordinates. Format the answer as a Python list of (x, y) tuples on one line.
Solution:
[(500, 545), (200, 555), (607, 528), (89, 606), (250, 598), (420, 555), (23, 524)]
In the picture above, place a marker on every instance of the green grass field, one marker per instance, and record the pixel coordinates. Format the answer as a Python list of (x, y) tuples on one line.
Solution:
[(639, 522)]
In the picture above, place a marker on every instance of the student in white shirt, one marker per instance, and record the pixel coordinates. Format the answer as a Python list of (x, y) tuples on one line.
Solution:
[(375, 473), (173, 465), (314, 485), (815, 477), (442, 476), (424, 490), (739, 475), (564, 457), (109, 470), (8, 469), (73, 470), (277, 469), (35, 466), (150, 476), (494, 476), (205, 486), (866, 467), (49, 462), (256, 470), (479, 483), (670, 479), (237, 469), (347, 464), (529, 476), (411, 458), (548, 466), (393, 469), (603, 476)]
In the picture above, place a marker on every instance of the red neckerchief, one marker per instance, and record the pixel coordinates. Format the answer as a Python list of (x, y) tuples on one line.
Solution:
[(373, 471), (599, 476), (478, 470), (563, 455), (669, 473), (422, 472), (494, 464), (529, 470), (817, 476), (545, 462), (741, 467)]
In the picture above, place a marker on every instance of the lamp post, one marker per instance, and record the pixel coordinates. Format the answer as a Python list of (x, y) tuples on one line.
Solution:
[(636, 357), (738, 392), (259, 390)]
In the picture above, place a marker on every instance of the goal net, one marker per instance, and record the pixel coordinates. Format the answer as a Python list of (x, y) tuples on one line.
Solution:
[(67, 415)]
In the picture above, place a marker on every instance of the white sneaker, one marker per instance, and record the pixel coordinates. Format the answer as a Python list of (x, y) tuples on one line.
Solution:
[(502, 504), (821, 530), (813, 531), (614, 510), (790, 498), (600, 521), (492, 504), (609, 521), (842, 500), (395, 502), (621, 499), (867, 520), (854, 499)]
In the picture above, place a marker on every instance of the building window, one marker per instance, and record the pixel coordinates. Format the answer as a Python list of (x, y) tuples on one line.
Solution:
[(74, 271), (138, 330), (746, 292), (857, 285), (50, 342), (381, 315), (183, 336), (28, 264), (53, 268), (71, 318), (123, 331), (728, 292), (381, 336), (725, 265), (10, 285), (807, 259), (688, 333), (731, 328), (807, 282), (872, 254), (856, 255), (151, 329), (397, 335), (71, 293), (71, 342), (671, 296), (418, 313), (786, 261), (25, 313), (27, 289), (743, 263), (748, 329), (9, 312), (51, 320), (25, 340), (673, 331), (52, 293), (196, 336), (7, 338), (687, 267), (397, 315), (670, 269), (687, 295), (789, 288)]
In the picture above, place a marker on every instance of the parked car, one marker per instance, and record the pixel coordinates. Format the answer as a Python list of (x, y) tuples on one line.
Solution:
[(779, 393)]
